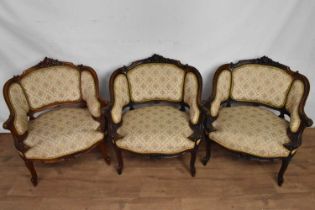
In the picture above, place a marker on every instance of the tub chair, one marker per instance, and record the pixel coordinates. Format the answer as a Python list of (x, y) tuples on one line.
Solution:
[(242, 110), (155, 109), (55, 113)]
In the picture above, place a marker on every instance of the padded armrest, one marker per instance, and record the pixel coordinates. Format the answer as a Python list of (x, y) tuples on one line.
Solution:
[(293, 104), (90, 92), (221, 89), (191, 96), (18, 106), (120, 97)]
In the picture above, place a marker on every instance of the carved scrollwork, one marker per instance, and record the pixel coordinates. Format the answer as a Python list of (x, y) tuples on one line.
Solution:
[(264, 60), (48, 62)]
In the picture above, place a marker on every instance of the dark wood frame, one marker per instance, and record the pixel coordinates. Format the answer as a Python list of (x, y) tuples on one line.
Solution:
[(197, 128), (19, 139), (295, 138)]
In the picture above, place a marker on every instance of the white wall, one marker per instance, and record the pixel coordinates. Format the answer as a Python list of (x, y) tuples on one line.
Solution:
[(107, 34)]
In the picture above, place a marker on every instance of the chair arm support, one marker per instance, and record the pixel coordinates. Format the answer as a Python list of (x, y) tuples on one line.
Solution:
[(112, 126), (17, 138), (295, 139), (197, 131), (207, 118)]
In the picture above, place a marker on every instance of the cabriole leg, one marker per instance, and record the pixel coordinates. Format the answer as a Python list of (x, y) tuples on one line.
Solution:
[(284, 166), (119, 160), (192, 161), (208, 151), (30, 166)]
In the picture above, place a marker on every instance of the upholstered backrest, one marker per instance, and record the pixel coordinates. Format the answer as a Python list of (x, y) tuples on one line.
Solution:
[(260, 83), (156, 81), (46, 86)]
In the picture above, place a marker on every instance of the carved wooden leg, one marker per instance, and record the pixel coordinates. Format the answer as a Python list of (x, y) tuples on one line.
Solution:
[(30, 166), (284, 166), (208, 151), (119, 160), (103, 150), (192, 161)]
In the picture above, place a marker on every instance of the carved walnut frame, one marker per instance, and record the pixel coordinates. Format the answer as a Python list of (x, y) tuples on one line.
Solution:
[(295, 138), (19, 139), (197, 128)]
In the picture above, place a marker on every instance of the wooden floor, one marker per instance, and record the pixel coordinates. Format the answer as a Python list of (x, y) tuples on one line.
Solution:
[(227, 182)]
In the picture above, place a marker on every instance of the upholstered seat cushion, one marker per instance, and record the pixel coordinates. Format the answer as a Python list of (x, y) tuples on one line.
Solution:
[(155, 130), (61, 132), (251, 130)]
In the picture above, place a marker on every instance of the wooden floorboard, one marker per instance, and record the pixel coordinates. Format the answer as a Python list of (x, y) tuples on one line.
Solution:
[(227, 182)]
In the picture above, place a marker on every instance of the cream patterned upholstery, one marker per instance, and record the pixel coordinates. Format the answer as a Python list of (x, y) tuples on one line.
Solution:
[(156, 81), (53, 84), (191, 96), (89, 93), (61, 132), (20, 108), (121, 93), (251, 130), (293, 102), (260, 83), (222, 91), (155, 130)]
